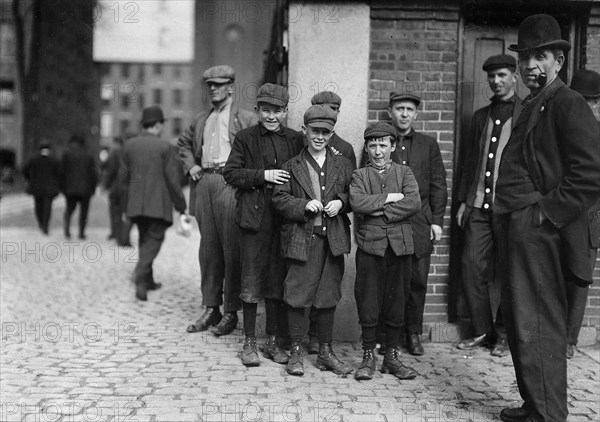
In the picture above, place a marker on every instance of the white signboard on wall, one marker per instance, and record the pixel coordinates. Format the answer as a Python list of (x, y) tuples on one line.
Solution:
[(144, 31)]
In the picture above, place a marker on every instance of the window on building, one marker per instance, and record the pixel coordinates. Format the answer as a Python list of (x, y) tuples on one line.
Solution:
[(157, 68), (177, 97), (177, 124), (177, 72), (142, 74), (125, 101), (124, 70), (157, 96), (141, 100)]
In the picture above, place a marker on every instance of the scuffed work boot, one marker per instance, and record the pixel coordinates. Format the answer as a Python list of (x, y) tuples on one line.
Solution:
[(391, 364), (250, 352), (273, 351), (295, 365), (328, 361), (367, 367)]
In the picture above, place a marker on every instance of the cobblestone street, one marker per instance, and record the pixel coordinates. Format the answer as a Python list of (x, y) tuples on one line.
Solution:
[(77, 346)]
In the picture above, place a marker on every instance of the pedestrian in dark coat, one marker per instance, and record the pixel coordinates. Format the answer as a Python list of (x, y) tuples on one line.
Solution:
[(150, 179), (383, 195), (43, 182), (315, 235), (119, 229), (254, 168), (79, 179), (549, 177)]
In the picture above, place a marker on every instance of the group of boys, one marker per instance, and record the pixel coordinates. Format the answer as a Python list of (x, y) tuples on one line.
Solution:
[(272, 207)]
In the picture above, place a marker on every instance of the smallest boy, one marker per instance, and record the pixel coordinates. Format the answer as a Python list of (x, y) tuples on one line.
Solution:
[(383, 195), (315, 236)]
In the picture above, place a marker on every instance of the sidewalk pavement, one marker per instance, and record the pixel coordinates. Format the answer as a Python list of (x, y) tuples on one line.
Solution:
[(77, 346)]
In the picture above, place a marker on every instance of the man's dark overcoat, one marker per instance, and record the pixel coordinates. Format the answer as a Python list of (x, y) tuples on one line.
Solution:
[(150, 177)]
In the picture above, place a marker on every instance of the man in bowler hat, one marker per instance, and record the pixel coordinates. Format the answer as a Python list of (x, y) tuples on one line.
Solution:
[(490, 130), (150, 179), (203, 149), (549, 177), (587, 83)]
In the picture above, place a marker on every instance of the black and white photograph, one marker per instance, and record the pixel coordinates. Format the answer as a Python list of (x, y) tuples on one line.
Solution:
[(299, 211)]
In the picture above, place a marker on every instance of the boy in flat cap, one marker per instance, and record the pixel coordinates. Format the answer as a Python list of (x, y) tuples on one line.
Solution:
[(204, 148), (549, 177), (315, 235), (422, 154), (336, 143), (490, 130), (383, 196), (254, 168), (587, 83)]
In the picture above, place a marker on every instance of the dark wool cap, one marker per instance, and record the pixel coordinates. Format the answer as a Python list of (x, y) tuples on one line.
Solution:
[(326, 97), (404, 96), (273, 94), (500, 61), (379, 130), (320, 116)]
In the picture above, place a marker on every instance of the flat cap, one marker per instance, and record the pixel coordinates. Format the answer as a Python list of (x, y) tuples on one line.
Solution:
[(320, 116), (404, 96), (499, 61), (379, 130), (219, 74), (326, 97), (587, 83), (273, 94)]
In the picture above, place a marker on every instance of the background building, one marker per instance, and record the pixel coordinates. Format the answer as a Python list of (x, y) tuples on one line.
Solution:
[(129, 87)]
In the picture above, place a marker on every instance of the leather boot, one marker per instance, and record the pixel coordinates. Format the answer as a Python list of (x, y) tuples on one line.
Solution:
[(367, 367), (295, 365), (273, 351), (250, 352), (328, 361), (391, 364)]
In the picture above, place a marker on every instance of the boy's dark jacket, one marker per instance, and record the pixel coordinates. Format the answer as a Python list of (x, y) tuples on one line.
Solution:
[(245, 170), (290, 200)]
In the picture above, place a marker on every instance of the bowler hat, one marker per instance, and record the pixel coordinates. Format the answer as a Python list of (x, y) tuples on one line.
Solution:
[(273, 94), (320, 116), (587, 83), (539, 31), (404, 96), (326, 97), (219, 74), (500, 61), (379, 130), (152, 114)]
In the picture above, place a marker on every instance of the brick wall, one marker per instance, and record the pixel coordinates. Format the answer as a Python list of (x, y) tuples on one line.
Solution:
[(413, 49), (592, 313)]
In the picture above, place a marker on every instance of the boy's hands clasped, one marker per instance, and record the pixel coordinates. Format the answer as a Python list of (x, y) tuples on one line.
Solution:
[(331, 209)]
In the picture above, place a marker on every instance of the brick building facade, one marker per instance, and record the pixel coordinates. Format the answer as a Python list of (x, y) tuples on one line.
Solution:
[(435, 49)]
